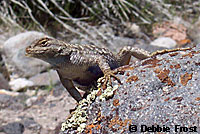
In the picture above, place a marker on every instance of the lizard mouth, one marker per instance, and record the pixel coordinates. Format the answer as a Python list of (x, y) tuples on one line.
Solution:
[(31, 52)]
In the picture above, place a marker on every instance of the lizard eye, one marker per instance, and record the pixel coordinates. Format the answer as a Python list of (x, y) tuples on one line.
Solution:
[(44, 42), (60, 50)]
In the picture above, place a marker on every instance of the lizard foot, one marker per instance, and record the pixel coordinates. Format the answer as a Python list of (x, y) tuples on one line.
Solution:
[(107, 77)]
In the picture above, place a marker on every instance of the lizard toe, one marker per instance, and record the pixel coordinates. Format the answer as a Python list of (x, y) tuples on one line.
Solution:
[(107, 78)]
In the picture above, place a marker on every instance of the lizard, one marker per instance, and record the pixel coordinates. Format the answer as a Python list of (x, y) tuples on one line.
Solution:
[(84, 64)]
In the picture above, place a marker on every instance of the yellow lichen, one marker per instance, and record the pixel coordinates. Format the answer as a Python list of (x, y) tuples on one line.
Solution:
[(79, 116)]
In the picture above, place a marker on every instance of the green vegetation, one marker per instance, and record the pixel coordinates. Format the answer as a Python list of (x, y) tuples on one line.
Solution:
[(77, 16)]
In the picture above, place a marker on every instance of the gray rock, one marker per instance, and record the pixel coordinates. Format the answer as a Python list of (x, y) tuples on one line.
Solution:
[(119, 42), (30, 101), (14, 55), (3, 83), (30, 124), (43, 114), (3, 69), (164, 42), (11, 101), (194, 32), (45, 79), (20, 83), (5, 100), (114, 44), (13, 128), (7, 92), (163, 90)]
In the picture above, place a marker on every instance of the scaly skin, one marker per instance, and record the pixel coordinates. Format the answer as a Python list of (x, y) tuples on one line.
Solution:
[(84, 64)]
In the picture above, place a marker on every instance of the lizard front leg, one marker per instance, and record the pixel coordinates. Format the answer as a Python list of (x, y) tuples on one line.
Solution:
[(68, 84), (108, 73)]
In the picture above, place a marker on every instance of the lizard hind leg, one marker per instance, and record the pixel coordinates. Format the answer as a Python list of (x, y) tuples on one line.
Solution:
[(126, 52)]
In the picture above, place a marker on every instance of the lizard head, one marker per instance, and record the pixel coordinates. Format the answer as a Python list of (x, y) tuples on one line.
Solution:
[(47, 49)]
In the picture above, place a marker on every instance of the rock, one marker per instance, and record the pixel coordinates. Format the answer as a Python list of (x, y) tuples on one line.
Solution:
[(194, 32), (106, 30), (114, 44), (14, 55), (3, 91), (162, 90), (118, 42), (3, 69), (45, 79), (134, 28), (164, 42), (11, 101), (79, 41), (3, 83), (44, 111), (30, 125), (35, 100), (20, 83), (175, 30), (31, 101), (30, 93), (13, 128), (5, 100)]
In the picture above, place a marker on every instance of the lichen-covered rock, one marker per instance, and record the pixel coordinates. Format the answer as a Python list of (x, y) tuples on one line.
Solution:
[(161, 91)]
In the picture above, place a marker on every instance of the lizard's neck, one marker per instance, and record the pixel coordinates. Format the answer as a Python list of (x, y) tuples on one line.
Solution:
[(57, 61)]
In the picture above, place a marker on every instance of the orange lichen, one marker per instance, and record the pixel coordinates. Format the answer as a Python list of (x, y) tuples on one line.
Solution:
[(190, 54), (163, 76), (122, 69), (197, 64), (184, 42), (116, 102), (177, 32), (98, 127), (178, 99), (153, 61), (166, 99), (171, 66), (127, 74), (137, 108), (173, 54), (177, 66), (125, 68), (99, 92), (197, 99), (142, 71), (185, 78), (90, 127), (132, 78), (99, 117), (118, 121)]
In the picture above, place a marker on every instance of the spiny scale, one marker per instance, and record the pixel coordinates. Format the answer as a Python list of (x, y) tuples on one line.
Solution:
[(84, 64)]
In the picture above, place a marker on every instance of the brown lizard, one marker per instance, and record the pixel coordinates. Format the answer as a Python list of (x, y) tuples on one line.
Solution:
[(84, 64)]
